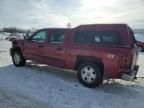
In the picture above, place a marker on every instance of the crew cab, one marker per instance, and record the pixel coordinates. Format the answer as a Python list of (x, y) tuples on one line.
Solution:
[(96, 51)]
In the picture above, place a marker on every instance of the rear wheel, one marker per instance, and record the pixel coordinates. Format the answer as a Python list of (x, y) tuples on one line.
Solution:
[(90, 75), (18, 59)]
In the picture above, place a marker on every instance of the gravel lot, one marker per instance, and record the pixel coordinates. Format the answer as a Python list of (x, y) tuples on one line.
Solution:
[(41, 86)]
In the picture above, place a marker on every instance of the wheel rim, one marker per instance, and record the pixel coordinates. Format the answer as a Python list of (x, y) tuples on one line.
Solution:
[(16, 58), (88, 74)]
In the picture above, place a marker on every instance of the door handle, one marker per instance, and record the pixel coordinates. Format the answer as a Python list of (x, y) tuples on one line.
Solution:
[(40, 46), (59, 49)]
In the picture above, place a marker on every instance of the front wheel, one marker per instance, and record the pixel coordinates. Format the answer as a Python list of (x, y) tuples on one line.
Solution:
[(18, 59), (90, 75)]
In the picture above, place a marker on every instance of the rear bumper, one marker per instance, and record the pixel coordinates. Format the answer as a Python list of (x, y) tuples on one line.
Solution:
[(130, 75)]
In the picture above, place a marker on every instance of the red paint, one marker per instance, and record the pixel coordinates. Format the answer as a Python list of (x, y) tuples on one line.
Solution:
[(116, 59)]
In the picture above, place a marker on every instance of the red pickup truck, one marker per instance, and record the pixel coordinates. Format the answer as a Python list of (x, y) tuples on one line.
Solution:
[(96, 52)]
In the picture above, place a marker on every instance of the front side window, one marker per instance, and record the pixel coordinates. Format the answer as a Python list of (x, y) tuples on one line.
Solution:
[(40, 36), (57, 37)]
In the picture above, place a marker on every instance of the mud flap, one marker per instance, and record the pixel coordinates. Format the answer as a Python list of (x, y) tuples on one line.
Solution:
[(131, 75)]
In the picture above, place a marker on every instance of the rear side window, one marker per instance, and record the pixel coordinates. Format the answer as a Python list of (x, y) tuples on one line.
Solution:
[(84, 36), (109, 37), (56, 37)]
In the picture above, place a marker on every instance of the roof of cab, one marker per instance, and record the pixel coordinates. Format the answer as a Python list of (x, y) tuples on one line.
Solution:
[(101, 26), (90, 26), (54, 29)]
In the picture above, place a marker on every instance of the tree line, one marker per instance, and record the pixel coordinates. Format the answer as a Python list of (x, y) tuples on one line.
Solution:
[(13, 30)]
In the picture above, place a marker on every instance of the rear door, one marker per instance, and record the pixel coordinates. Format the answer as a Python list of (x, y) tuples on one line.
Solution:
[(54, 48), (34, 48)]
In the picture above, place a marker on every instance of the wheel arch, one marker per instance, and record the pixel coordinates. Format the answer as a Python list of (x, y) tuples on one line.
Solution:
[(15, 49), (95, 60)]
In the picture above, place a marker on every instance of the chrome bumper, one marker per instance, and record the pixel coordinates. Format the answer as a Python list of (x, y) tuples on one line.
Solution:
[(131, 75)]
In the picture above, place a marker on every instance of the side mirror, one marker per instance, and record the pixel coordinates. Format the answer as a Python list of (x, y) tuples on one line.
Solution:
[(27, 38)]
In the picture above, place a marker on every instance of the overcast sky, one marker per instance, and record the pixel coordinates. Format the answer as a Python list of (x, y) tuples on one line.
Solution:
[(57, 13)]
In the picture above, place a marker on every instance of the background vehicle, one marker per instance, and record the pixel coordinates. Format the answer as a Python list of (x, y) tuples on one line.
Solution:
[(95, 51), (140, 41), (2, 36), (14, 36)]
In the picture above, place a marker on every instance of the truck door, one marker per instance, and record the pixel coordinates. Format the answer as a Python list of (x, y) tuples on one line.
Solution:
[(54, 48), (34, 47)]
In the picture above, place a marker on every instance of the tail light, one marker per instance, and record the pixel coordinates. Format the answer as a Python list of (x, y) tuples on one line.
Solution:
[(126, 62)]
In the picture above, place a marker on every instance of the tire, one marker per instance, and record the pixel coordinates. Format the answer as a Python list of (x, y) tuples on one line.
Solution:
[(90, 75), (18, 59)]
